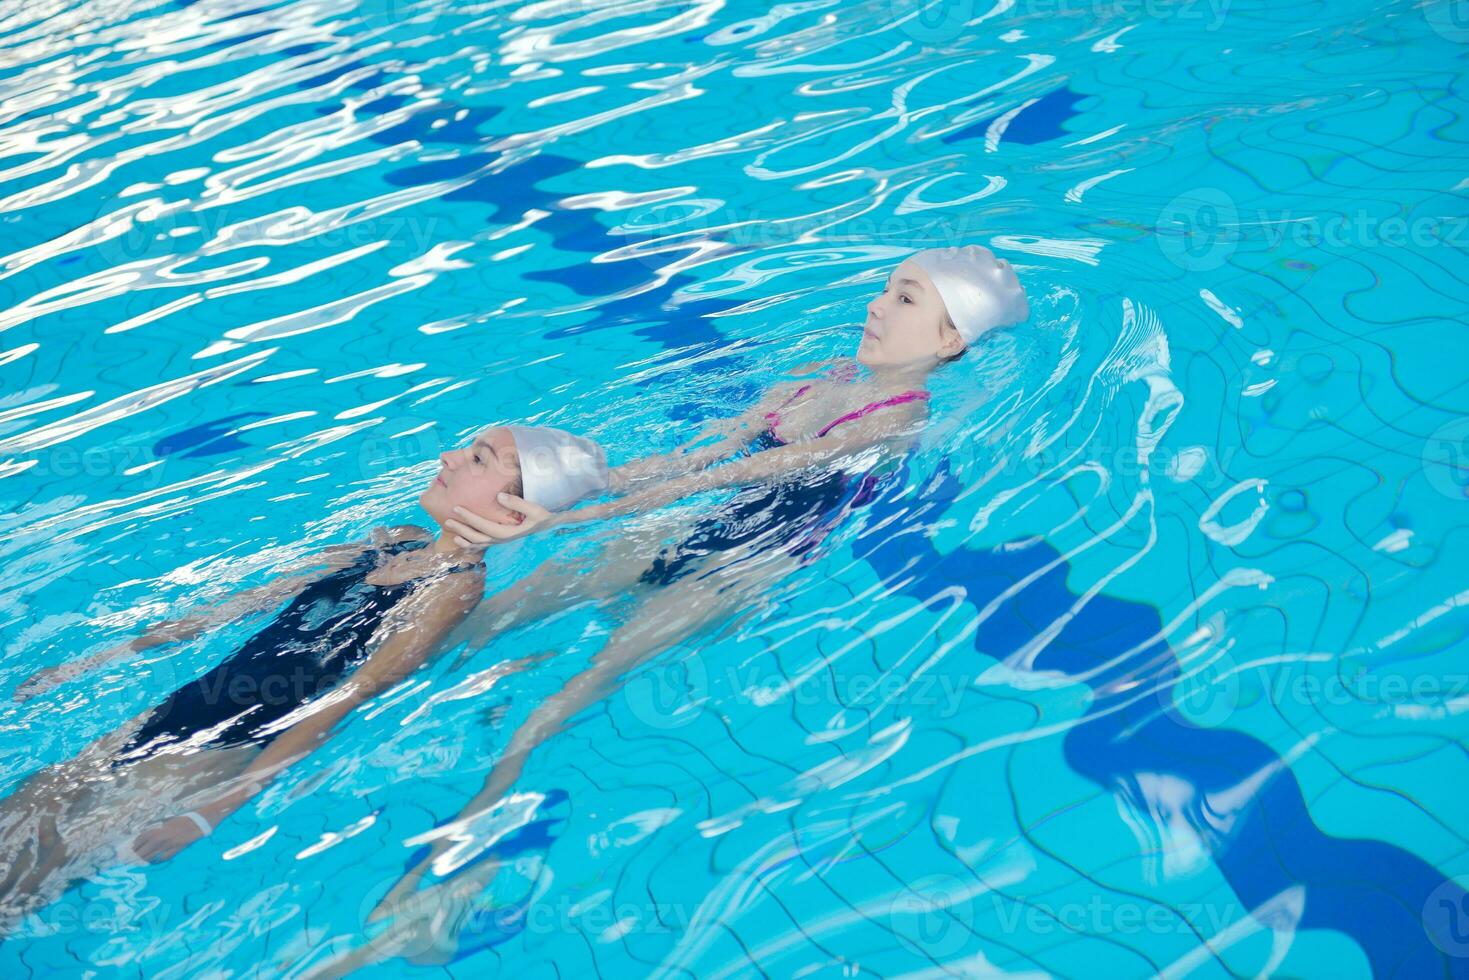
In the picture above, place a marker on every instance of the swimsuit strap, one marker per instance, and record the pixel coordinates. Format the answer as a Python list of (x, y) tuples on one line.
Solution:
[(415, 544), (906, 396), (799, 392), (774, 417)]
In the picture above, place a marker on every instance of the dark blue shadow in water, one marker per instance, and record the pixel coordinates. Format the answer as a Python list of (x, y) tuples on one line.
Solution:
[(1037, 123), (1264, 841), (686, 328), (206, 439), (517, 189)]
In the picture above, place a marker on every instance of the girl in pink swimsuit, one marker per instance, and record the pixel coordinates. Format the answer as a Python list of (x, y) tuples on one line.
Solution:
[(933, 305), (795, 512)]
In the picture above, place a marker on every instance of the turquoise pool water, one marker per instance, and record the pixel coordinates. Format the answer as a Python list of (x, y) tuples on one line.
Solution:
[(1153, 660)]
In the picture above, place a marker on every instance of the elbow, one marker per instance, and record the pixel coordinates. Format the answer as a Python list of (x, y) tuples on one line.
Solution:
[(368, 686)]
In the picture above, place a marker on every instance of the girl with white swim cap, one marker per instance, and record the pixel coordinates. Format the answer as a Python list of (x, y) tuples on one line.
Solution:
[(353, 619), (933, 306)]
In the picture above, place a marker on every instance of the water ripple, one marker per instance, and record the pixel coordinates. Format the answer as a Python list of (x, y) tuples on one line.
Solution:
[(1160, 616)]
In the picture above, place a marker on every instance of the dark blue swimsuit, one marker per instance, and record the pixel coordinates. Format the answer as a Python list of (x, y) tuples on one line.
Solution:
[(305, 651), (795, 511)]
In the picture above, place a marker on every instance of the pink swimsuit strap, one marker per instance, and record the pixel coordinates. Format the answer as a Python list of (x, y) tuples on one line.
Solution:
[(774, 417), (907, 396)]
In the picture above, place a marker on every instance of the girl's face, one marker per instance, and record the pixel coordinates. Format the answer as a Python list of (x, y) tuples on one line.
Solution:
[(473, 477), (907, 322)]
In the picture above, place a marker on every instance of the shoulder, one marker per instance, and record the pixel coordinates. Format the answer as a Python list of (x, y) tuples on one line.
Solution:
[(438, 602), (882, 419), (446, 599), (775, 397), (811, 373), (898, 410), (812, 367), (838, 370), (398, 533), (339, 556)]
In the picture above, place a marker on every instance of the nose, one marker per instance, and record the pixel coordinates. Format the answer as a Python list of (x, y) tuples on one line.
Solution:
[(450, 459), (874, 308)]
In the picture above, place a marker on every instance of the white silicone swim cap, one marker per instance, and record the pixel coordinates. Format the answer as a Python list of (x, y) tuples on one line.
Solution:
[(557, 468), (980, 291)]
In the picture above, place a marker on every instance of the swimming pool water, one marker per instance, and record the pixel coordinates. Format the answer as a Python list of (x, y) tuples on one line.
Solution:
[(1153, 660)]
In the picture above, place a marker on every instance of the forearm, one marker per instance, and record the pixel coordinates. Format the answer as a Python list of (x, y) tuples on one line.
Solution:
[(183, 628), (159, 634), (176, 630), (150, 639), (686, 459), (762, 466), (155, 636), (546, 720), (47, 678)]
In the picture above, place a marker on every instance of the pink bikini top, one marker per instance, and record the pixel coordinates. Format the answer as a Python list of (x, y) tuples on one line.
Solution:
[(774, 417)]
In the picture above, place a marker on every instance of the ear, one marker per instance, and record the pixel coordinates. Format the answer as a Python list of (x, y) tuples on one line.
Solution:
[(950, 342)]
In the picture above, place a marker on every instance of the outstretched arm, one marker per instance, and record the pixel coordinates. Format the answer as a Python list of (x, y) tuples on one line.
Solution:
[(890, 427), (407, 639), (284, 586), (729, 436)]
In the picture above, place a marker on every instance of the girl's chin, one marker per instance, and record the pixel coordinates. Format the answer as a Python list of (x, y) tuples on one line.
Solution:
[(432, 506)]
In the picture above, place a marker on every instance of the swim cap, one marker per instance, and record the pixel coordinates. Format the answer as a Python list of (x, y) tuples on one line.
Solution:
[(980, 291), (557, 468)]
